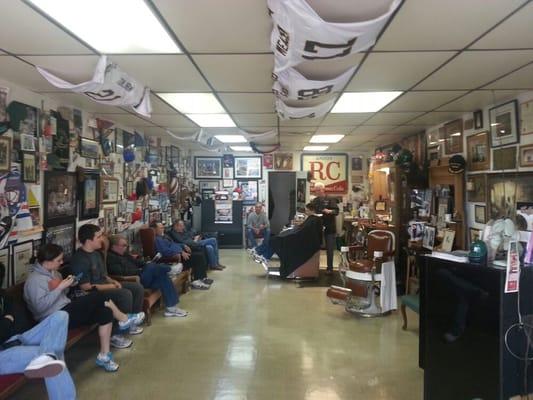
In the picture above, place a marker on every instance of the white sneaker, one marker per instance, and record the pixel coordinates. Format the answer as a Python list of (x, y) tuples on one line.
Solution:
[(175, 312), (176, 269), (198, 284), (136, 330), (44, 366), (120, 342)]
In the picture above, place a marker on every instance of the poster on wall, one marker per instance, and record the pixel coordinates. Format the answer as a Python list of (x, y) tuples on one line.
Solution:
[(223, 208), (330, 169)]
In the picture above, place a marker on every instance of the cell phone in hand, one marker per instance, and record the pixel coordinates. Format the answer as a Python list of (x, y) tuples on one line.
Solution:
[(77, 277), (157, 257)]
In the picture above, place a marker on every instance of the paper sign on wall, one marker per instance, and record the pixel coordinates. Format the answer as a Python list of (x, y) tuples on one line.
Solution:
[(330, 169)]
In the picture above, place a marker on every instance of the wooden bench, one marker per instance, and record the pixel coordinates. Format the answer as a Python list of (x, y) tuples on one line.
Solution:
[(411, 301)]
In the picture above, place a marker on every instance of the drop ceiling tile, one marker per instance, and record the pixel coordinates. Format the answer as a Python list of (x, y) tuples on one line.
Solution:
[(159, 106), (163, 73), (473, 69), (521, 79), (255, 119), (259, 129), (392, 118), (294, 123), (434, 25), (370, 130), (24, 31), (480, 98), (395, 71), (174, 120), (20, 73), (434, 118), (334, 130), (82, 102), (73, 69), (406, 130), (248, 102), (127, 120), (232, 26), (345, 119), (514, 33), (238, 73), (422, 101), (295, 129)]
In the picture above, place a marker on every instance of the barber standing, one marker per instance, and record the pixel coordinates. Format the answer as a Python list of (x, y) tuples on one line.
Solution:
[(327, 206)]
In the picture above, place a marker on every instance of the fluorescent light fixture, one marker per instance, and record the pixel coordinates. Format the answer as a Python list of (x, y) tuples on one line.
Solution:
[(315, 148), (241, 148), (193, 103), (111, 26), (362, 102), (212, 120), (326, 138), (231, 138), (456, 134)]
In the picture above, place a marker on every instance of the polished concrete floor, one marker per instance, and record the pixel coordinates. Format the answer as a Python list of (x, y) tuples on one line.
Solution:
[(252, 338)]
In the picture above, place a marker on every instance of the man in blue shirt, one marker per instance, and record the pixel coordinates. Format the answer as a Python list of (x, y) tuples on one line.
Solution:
[(168, 248)]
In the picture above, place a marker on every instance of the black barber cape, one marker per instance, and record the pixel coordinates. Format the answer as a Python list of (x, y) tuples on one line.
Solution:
[(295, 246)]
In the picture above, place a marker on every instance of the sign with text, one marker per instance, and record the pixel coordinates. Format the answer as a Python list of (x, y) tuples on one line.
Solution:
[(330, 169)]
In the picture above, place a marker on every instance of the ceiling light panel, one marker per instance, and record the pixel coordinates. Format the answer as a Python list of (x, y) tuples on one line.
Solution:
[(241, 148), (326, 138), (212, 120), (133, 28), (362, 102), (231, 138), (194, 103), (315, 148)]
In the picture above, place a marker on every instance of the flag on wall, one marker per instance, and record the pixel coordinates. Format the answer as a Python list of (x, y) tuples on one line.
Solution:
[(109, 85)]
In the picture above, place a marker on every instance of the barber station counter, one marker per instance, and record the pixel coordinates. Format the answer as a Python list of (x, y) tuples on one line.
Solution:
[(464, 315)]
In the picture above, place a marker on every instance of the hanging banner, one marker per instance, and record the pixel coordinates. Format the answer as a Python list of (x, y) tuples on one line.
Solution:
[(288, 112), (330, 169), (292, 85), (109, 85), (300, 34)]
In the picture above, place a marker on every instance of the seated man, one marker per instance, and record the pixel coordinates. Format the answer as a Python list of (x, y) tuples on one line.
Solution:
[(153, 276), (88, 262), (168, 248), (38, 352), (179, 234), (257, 225)]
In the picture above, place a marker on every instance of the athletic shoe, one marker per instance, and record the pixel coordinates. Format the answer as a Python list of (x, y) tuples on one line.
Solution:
[(221, 266), (6, 225), (175, 312), (136, 330), (208, 281), (198, 284), (133, 319), (44, 366), (106, 362), (217, 268), (120, 342), (176, 269)]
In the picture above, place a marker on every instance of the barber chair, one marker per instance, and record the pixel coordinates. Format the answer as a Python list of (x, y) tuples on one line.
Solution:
[(360, 271)]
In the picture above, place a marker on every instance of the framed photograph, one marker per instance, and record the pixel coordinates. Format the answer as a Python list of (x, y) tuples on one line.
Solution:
[(434, 154), (453, 135), (109, 220), (447, 240), (268, 161), (380, 205), (60, 188), (6, 260), (174, 155), (60, 156), (108, 189), (248, 167), (524, 215), (215, 185), (506, 191), (283, 161), (249, 191), (35, 214), (434, 138), (227, 173), (90, 195), (504, 124), (29, 167), (478, 151), (526, 118), (357, 163), (63, 235), (228, 161), (21, 260), (478, 119), (480, 214), (476, 186), (475, 234), (207, 167), (227, 183), (27, 142), (89, 148), (428, 241), (5, 153), (526, 155), (208, 194), (504, 158)]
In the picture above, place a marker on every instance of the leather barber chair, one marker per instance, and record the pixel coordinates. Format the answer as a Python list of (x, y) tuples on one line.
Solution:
[(360, 271)]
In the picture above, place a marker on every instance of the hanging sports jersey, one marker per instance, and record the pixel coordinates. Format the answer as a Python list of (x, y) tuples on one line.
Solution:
[(300, 34), (109, 85), (288, 112), (291, 84)]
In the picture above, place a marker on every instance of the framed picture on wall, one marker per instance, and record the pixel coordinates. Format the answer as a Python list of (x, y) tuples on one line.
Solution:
[(478, 151), (248, 167), (108, 189), (506, 191), (475, 234), (63, 235), (27, 142), (249, 191), (283, 161), (504, 124), (480, 214), (453, 135), (476, 186), (478, 119), (21, 260), (215, 185), (428, 241), (504, 158), (526, 118), (89, 148), (60, 188), (207, 167), (5, 153), (109, 220), (526, 155), (90, 195), (29, 168)]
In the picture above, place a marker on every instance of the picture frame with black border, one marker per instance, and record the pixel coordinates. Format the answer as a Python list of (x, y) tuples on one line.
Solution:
[(30, 172), (89, 148), (249, 191), (63, 235), (480, 214), (213, 184), (5, 153), (248, 167), (89, 193), (207, 167), (478, 119), (61, 195), (109, 190), (503, 122)]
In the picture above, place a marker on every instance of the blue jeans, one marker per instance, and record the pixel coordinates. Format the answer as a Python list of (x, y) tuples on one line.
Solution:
[(211, 248), (47, 337), (155, 276), (251, 239)]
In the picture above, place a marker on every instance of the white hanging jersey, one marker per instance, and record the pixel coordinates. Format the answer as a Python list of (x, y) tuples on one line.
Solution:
[(300, 34), (288, 112), (292, 85), (109, 85)]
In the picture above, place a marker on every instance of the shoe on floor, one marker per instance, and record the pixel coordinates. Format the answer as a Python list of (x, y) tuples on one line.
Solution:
[(136, 330), (208, 281), (120, 342), (44, 366), (133, 320), (176, 269), (106, 362), (217, 268), (175, 312), (198, 284), (221, 266)]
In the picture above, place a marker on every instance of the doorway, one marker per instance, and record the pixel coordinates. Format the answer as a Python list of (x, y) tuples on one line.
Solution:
[(281, 199)]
